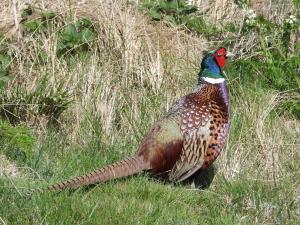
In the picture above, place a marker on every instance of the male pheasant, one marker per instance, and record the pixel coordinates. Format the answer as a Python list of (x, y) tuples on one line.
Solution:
[(188, 138)]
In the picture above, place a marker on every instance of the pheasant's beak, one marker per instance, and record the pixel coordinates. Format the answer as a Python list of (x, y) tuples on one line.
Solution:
[(229, 54)]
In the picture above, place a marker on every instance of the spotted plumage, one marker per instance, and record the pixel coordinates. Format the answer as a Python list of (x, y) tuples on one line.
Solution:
[(190, 136)]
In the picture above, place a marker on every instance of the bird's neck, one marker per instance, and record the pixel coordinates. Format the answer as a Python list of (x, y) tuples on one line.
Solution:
[(212, 80), (212, 74)]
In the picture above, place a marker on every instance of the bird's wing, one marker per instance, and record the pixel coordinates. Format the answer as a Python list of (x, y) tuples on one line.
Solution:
[(163, 144)]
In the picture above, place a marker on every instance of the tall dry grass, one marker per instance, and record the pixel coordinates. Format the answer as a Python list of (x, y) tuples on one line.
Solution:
[(131, 51)]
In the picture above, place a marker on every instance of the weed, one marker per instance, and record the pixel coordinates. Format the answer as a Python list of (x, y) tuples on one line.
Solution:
[(78, 36), (71, 38), (48, 101), (179, 13)]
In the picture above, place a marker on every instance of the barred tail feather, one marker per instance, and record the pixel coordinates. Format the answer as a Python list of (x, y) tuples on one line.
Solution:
[(119, 169)]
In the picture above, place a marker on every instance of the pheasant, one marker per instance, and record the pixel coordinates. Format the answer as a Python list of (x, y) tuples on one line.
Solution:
[(188, 138)]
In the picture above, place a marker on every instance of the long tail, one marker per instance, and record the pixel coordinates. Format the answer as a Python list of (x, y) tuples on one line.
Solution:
[(123, 168)]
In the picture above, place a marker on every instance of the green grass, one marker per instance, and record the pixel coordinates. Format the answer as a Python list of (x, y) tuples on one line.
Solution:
[(142, 200), (81, 93)]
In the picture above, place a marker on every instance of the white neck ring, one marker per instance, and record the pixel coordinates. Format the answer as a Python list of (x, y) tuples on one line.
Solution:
[(213, 80)]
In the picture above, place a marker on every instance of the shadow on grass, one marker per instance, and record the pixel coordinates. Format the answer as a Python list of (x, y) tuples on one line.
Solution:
[(202, 179)]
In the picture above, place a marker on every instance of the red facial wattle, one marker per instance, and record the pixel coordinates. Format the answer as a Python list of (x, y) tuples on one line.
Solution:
[(221, 60), (220, 57)]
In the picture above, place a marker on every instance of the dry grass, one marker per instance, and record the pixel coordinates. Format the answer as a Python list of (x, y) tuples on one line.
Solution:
[(260, 142), (130, 49), (8, 168)]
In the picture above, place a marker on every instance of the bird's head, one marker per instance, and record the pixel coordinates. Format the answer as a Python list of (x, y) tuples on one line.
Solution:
[(212, 65)]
